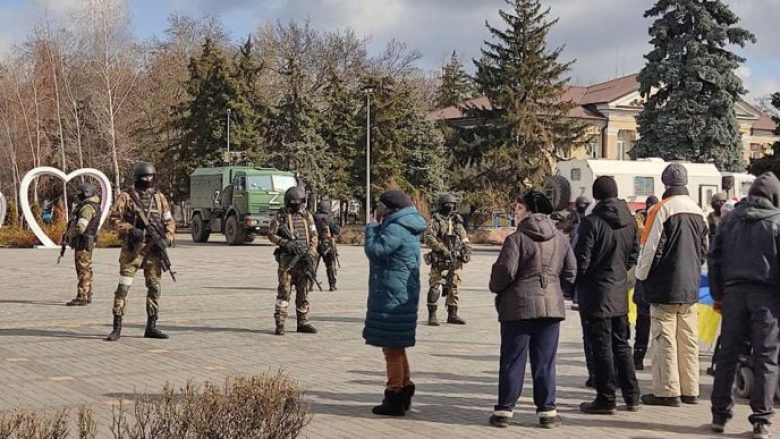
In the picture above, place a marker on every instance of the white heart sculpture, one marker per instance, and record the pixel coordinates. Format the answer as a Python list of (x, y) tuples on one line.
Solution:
[(3, 209), (105, 200)]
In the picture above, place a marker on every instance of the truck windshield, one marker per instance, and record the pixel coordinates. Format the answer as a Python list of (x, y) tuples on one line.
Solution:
[(259, 182), (284, 182)]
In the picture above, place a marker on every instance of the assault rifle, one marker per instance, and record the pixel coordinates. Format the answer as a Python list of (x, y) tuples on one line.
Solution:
[(156, 234), (456, 255), (328, 248), (68, 230), (301, 252)]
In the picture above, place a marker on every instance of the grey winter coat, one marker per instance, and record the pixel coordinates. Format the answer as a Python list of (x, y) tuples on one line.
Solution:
[(527, 277)]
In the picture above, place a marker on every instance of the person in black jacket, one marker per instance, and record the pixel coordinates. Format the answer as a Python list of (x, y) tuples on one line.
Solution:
[(607, 247), (744, 273), (327, 231)]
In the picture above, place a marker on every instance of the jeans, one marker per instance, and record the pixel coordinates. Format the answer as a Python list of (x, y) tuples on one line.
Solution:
[(518, 338), (613, 362), (397, 368), (748, 316)]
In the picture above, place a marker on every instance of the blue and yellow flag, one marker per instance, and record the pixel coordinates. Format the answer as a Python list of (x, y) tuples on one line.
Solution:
[(709, 320)]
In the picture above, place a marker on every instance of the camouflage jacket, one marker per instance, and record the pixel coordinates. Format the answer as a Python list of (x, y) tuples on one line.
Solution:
[(301, 225), (87, 218), (442, 226), (124, 216)]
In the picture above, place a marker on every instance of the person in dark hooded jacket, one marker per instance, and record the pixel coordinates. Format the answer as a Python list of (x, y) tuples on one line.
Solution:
[(327, 232), (527, 278), (393, 250), (607, 248), (744, 273)]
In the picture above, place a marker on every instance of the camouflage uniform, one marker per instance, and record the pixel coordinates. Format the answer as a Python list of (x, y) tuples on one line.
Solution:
[(141, 253), (442, 231), (327, 230), (301, 225), (82, 238)]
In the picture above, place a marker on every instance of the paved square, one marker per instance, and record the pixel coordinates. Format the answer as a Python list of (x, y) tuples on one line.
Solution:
[(220, 318)]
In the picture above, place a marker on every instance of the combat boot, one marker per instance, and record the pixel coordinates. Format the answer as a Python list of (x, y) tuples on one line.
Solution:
[(151, 329), (78, 301), (452, 316), (117, 332), (432, 321), (279, 328), (333, 287), (306, 328)]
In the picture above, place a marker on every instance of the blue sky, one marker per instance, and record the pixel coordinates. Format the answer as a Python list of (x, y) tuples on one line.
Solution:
[(607, 37)]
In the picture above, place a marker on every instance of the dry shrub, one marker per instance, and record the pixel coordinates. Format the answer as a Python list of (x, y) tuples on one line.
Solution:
[(268, 406), (39, 425), (24, 238), (351, 236), (490, 236)]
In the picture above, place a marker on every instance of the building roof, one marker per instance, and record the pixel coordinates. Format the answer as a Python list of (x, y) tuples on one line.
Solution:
[(587, 98)]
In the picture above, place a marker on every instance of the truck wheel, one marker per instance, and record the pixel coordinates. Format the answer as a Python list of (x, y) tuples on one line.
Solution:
[(234, 232), (200, 231), (558, 190)]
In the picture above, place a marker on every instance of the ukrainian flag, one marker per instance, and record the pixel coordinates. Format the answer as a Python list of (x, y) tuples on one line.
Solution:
[(708, 320)]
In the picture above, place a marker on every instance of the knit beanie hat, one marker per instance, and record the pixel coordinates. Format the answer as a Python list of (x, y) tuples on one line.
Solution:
[(537, 202), (605, 187), (675, 175), (395, 199)]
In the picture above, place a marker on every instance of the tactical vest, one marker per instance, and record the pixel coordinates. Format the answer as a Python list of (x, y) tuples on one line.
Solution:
[(94, 223), (447, 226), (296, 222), (150, 204), (322, 222)]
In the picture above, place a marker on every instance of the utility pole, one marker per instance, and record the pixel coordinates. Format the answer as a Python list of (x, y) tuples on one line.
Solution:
[(368, 91)]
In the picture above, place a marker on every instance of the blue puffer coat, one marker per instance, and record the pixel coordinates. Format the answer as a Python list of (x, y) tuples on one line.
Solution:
[(393, 251)]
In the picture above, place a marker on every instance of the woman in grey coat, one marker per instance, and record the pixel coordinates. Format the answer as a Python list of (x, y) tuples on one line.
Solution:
[(527, 278)]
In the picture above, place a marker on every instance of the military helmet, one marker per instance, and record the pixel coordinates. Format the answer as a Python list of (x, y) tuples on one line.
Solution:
[(143, 168), (324, 206), (582, 199), (447, 198), (85, 190), (720, 197), (294, 195)]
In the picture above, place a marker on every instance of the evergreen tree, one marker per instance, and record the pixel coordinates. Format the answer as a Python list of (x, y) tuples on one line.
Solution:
[(340, 131), (528, 126), (249, 113), (456, 85), (691, 116), (770, 162)]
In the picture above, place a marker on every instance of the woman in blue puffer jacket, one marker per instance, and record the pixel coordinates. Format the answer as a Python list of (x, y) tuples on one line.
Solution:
[(393, 250)]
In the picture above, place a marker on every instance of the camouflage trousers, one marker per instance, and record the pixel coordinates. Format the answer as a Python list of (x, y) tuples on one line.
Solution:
[(130, 261), (437, 282), (83, 260), (297, 278)]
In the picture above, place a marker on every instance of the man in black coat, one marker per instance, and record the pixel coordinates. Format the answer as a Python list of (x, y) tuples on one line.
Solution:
[(744, 273), (607, 248)]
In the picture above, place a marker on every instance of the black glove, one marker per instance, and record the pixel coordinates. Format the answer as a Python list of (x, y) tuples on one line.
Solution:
[(288, 245), (134, 236)]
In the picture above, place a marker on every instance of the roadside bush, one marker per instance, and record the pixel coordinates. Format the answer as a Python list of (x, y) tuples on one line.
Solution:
[(38, 425), (16, 237), (268, 406), (351, 236), (490, 236)]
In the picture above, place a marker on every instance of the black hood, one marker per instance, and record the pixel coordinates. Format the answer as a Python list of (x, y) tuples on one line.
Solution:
[(766, 186), (755, 208), (538, 227), (615, 212)]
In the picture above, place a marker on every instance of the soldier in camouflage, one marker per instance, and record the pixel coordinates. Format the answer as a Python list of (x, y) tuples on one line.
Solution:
[(301, 225), (327, 231), (445, 235), (137, 251), (82, 233)]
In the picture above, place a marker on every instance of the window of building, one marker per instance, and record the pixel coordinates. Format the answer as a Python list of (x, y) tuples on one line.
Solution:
[(756, 151), (625, 143), (594, 147), (644, 186)]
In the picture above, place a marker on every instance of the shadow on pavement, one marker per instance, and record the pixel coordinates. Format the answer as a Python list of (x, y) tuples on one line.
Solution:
[(46, 333), (32, 302)]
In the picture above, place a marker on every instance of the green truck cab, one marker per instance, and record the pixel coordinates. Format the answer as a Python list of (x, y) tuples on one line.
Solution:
[(238, 201)]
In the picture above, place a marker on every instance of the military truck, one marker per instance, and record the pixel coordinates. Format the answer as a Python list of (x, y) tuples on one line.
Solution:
[(238, 201)]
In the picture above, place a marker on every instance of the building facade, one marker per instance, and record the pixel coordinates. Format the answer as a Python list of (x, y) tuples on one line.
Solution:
[(610, 109)]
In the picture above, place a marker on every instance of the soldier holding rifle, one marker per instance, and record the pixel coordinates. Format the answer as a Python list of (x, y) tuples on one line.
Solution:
[(81, 236), (143, 219)]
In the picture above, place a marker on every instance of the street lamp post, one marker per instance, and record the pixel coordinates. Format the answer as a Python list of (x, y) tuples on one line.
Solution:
[(228, 135), (368, 91)]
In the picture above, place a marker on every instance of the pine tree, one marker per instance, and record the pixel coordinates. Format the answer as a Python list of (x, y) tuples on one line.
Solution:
[(456, 85), (691, 115), (528, 125), (249, 113), (770, 163), (340, 131)]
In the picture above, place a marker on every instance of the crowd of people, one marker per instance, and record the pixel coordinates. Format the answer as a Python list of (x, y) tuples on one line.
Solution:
[(660, 249)]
